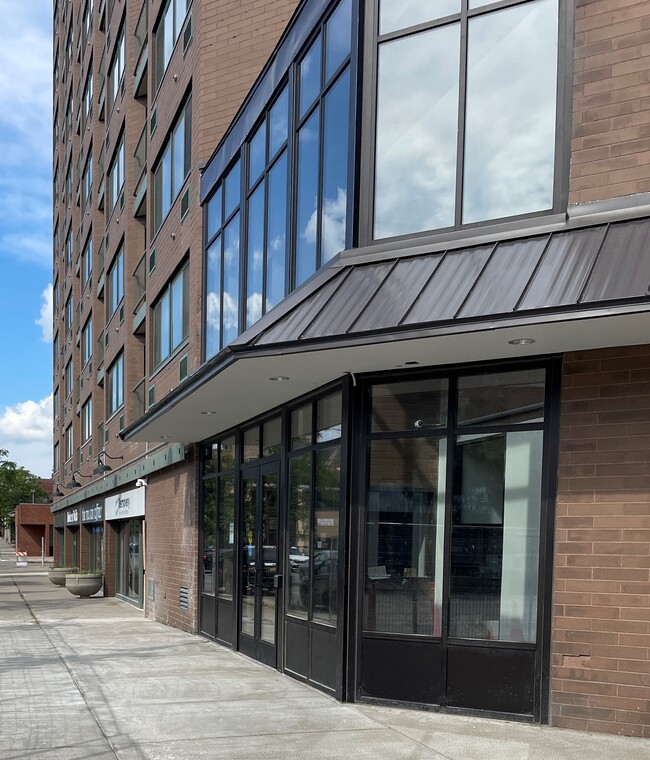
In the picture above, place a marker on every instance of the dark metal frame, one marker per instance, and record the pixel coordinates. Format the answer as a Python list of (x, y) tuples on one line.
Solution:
[(360, 465)]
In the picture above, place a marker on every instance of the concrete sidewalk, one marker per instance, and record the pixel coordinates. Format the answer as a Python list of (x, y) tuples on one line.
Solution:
[(93, 679)]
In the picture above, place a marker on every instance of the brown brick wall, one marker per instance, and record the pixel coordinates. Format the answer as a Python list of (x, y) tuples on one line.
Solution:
[(32, 524), (610, 149), (601, 623), (171, 544)]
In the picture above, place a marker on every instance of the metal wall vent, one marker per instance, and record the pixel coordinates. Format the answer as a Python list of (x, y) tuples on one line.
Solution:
[(184, 598)]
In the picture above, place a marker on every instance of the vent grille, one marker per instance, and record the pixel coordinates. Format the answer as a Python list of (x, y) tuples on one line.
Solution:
[(184, 598), (182, 368)]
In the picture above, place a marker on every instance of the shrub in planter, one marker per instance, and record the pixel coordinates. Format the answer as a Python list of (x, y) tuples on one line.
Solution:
[(84, 583), (57, 574)]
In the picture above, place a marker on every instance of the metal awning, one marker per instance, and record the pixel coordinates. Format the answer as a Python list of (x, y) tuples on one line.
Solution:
[(569, 290)]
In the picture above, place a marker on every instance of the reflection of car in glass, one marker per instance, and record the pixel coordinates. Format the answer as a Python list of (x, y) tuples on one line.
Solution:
[(270, 561), (324, 580), (208, 558), (297, 558)]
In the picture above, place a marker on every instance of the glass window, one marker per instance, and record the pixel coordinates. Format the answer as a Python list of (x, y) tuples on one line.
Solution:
[(501, 398), (299, 534), (279, 122), (257, 155), (68, 313), (172, 168), (310, 76), (116, 385), (252, 443), (167, 32), (55, 458), (301, 421), (87, 342), (87, 260), (214, 214), (69, 444), (233, 190), (116, 71), (68, 378), (508, 114), (276, 250), (328, 418), (307, 197), (404, 536), (409, 405), (171, 317), (324, 581), (213, 299), (116, 175), (227, 453), (226, 536), (209, 538), (272, 437), (116, 282), (87, 421), (495, 536), (337, 37), (231, 281)]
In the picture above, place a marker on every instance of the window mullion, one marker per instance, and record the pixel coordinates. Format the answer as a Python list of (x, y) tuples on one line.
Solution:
[(462, 95)]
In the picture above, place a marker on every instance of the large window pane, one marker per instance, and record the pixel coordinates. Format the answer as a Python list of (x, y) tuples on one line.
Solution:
[(209, 509), (417, 122), (214, 214), (299, 529), (231, 282), (301, 421), (400, 14), (495, 536), (409, 405), (328, 418), (255, 258), (233, 190), (276, 252), (326, 536), (404, 536), (178, 151), (213, 300), (335, 168), (510, 120), (503, 398), (307, 198), (178, 323), (257, 154), (279, 123), (226, 536)]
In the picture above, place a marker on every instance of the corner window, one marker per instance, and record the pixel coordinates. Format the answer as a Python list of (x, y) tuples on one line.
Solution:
[(167, 32), (115, 392), (173, 166), (171, 317), (116, 282), (450, 147)]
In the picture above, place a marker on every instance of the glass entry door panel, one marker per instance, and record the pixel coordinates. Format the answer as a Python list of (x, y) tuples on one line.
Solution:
[(259, 563)]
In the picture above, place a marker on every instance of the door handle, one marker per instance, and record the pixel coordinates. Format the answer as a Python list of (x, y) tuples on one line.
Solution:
[(277, 581)]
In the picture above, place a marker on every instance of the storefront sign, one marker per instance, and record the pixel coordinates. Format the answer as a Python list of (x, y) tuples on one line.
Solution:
[(92, 513), (72, 517), (122, 506)]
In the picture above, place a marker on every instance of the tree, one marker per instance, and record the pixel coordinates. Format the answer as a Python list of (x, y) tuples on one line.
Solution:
[(17, 485)]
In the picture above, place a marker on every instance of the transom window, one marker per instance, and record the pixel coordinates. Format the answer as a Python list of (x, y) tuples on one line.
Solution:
[(459, 124)]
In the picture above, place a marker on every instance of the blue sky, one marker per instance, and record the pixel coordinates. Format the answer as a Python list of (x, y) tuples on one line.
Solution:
[(26, 232)]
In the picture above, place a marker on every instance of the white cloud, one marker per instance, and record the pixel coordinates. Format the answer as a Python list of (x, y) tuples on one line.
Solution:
[(26, 432), (45, 319)]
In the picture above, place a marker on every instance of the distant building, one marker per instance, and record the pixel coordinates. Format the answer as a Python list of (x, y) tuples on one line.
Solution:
[(351, 348)]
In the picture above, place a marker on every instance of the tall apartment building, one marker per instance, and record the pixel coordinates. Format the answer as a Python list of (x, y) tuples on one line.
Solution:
[(352, 360)]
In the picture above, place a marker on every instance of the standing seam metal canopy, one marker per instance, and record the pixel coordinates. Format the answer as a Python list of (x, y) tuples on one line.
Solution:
[(557, 271)]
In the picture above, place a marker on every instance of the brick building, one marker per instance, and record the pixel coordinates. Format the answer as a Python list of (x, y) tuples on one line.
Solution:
[(354, 357)]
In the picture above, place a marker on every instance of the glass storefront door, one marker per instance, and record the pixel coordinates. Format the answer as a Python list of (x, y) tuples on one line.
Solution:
[(260, 563), (130, 561)]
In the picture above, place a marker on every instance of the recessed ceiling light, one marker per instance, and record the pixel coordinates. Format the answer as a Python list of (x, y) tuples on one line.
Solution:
[(522, 341), (411, 363), (164, 437), (279, 378), (208, 412)]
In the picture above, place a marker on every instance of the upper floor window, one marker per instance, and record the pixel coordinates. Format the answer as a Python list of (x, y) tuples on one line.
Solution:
[(450, 148), (55, 351), (116, 175), (167, 32), (87, 260), (68, 184), (87, 342), (116, 69), (87, 420), (171, 317), (69, 446), (250, 202), (173, 166), (55, 403), (116, 282), (55, 299), (116, 385), (68, 314), (87, 20), (88, 97), (68, 378), (55, 458), (68, 248), (87, 180)]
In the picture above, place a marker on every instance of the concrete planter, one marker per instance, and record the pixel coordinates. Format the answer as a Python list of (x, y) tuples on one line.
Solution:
[(84, 584), (57, 575)]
